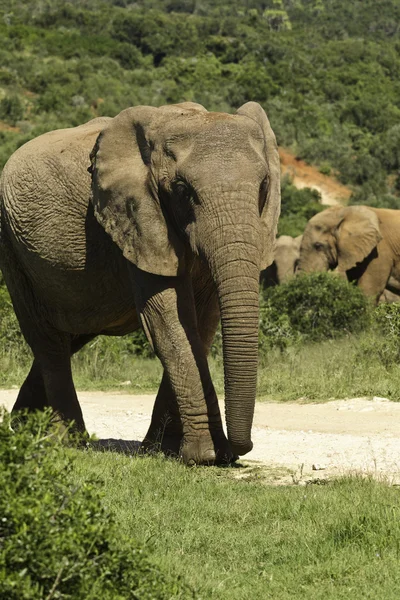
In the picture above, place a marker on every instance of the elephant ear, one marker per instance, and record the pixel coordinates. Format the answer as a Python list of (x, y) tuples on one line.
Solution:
[(272, 206), (125, 198), (357, 235)]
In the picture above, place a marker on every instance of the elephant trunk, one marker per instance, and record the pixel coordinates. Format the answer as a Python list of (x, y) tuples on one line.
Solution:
[(234, 264), (238, 296), (311, 262), (311, 259)]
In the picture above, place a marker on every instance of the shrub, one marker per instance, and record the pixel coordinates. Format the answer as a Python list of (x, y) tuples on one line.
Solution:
[(311, 307), (386, 318), (11, 109), (297, 207), (56, 538), (384, 343)]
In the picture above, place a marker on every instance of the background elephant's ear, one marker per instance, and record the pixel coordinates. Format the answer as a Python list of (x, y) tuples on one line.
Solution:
[(357, 235), (272, 206), (125, 198)]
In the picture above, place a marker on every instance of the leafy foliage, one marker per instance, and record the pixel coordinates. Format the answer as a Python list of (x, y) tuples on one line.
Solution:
[(327, 71), (311, 307), (384, 343), (57, 540), (297, 207)]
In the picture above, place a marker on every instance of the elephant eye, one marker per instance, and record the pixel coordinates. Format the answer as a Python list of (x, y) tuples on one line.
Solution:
[(179, 188), (318, 246), (263, 194)]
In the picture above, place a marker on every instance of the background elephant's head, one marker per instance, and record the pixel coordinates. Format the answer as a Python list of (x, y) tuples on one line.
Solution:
[(178, 181), (339, 237), (286, 258)]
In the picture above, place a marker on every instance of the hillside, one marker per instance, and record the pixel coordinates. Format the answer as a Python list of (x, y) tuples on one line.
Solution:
[(303, 175), (326, 71)]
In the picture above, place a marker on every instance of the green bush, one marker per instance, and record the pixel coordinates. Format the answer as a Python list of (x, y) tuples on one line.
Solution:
[(275, 327), (311, 307), (297, 207), (11, 109), (384, 342), (386, 318), (56, 539)]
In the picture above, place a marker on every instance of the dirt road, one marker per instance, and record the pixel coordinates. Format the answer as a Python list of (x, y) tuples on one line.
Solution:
[(305, 175), (337, 437)]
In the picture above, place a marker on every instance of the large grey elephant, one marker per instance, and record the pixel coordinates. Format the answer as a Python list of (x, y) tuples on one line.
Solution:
[(181, 220), (286, 258), (361, 242)]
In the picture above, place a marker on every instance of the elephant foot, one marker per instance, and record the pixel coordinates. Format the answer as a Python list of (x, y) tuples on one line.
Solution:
[(194, 449), (167, 443), (206, 449)]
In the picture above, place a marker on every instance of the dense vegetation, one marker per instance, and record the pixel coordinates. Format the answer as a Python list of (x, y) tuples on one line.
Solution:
[(311, 308), (57, 539), (327, 71)]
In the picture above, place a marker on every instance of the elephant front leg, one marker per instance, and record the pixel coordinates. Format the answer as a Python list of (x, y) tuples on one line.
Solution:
[(168, 314)]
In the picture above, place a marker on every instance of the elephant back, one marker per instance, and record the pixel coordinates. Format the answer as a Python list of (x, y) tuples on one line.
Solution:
[(45, 187)]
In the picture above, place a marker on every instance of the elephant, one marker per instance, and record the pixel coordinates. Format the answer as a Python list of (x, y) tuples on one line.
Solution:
[(360, 241), (161, 218), (286, 258), (391, 293)]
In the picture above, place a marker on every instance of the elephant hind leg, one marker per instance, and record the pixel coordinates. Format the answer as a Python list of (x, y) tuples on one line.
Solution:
[(59, 387), (33, 396)]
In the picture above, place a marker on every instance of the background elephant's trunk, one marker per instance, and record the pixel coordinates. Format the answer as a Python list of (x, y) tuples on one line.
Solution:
[(312, 261), (234, 262)]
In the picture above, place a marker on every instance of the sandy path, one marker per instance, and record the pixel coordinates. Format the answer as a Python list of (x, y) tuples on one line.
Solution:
[(341, 436)]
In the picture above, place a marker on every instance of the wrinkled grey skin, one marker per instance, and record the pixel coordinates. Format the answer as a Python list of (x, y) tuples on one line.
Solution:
[(181, 219), (286, 258), (362, 242)]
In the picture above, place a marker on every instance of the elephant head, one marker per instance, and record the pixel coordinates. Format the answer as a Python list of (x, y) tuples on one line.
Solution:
[(339, 237), (175, 182), (286, 258)]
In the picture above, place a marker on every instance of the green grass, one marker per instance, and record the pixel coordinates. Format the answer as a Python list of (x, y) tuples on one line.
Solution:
[(311, 372), (327, 371), (236, 538), (315, 372)]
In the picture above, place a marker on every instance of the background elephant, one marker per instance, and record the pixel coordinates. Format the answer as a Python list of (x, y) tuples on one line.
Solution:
[(286, 258), (392, 292), (362, 242), (181, 220)]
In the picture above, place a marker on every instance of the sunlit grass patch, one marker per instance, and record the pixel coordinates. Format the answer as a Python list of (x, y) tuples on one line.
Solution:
[(238, 537)]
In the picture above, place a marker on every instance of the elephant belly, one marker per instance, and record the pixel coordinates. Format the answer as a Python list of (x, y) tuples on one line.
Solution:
[(89, 301), (89, 295)]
